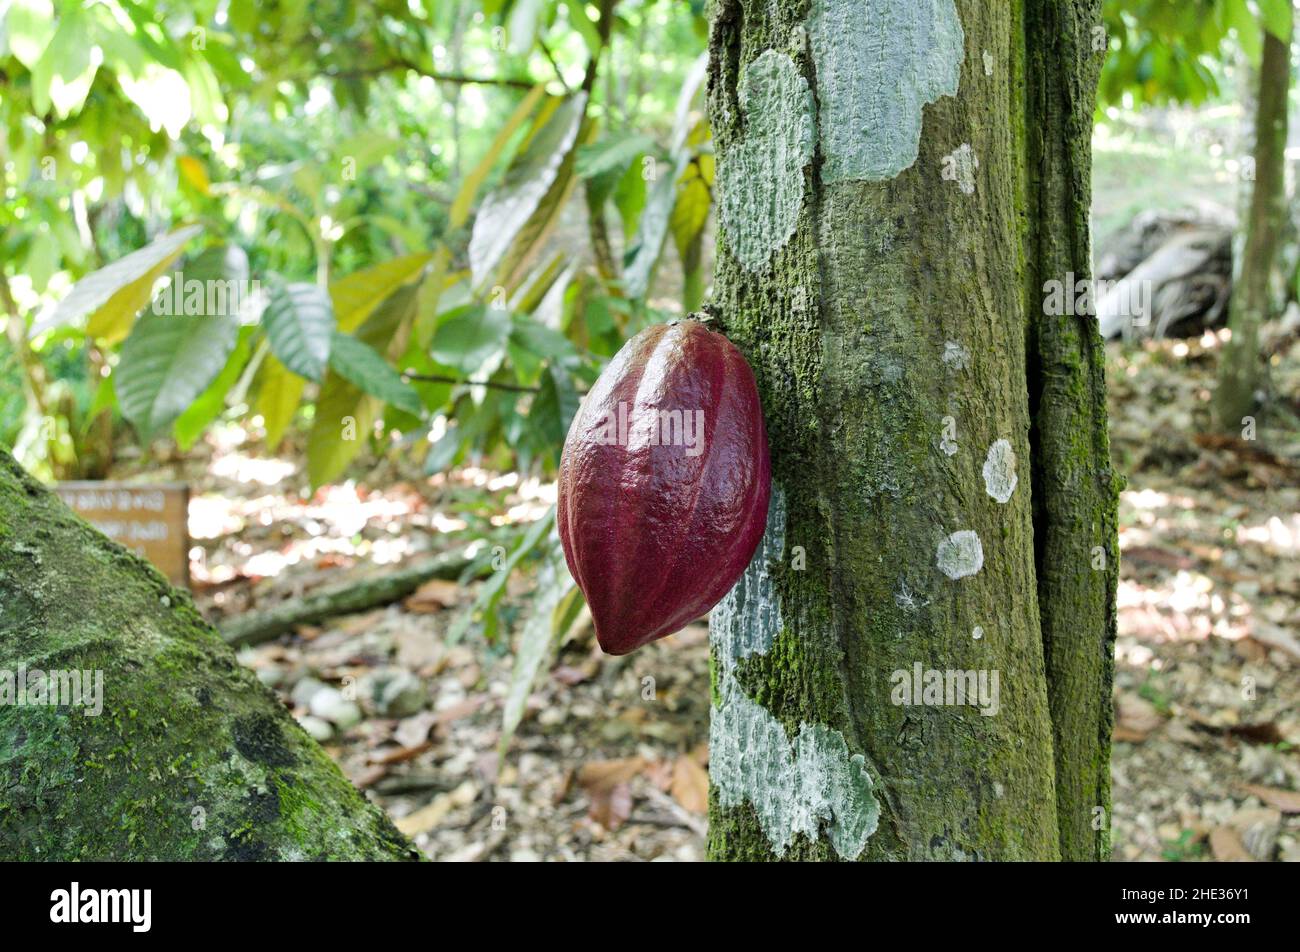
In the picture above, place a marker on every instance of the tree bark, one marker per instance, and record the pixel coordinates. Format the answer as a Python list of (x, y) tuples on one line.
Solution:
[(1241, 371), (188, 756), (899, 179)]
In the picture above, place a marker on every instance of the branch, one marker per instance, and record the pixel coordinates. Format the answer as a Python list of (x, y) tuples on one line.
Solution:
[(400, 64), (491, 384)]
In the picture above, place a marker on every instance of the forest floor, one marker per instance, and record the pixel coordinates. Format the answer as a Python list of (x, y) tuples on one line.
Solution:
[(610, 761)]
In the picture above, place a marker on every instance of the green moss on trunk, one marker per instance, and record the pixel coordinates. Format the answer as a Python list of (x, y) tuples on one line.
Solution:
[(191, 758)]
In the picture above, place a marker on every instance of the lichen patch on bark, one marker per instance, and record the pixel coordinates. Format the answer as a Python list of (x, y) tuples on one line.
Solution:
[(1000, 471), (809, 784), (960, 554), (878, 63), (761, 177)]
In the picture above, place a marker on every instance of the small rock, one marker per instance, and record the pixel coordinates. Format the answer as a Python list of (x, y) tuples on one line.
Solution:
[(319, 729), (403, 696), (304, 690), (330, 704)]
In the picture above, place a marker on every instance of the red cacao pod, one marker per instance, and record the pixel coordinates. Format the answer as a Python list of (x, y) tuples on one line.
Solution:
[(664, 483)]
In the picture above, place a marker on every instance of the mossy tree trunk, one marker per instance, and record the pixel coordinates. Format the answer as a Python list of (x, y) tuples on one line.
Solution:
[(161, 745), (900, 180), (1242, 371)]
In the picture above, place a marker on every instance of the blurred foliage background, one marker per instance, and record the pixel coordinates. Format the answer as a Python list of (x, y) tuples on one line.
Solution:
[(447, 213)]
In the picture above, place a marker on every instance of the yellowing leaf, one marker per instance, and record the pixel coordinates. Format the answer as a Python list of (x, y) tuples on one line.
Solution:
[(115, 293), (192, 171), (356, 296)]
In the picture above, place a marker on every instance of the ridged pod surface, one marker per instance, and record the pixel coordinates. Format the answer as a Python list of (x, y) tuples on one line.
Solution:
[(659, 516)]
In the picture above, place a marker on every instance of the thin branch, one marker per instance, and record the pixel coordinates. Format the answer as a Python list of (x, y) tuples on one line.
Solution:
[(460, 78), (554, 65), (490, 384)]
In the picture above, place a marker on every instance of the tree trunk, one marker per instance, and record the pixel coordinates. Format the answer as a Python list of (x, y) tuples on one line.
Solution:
[(160, 745), (900, 180), (1242, 372)]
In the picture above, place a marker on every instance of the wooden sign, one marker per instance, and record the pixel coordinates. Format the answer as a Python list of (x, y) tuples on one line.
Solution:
[(149, 519)]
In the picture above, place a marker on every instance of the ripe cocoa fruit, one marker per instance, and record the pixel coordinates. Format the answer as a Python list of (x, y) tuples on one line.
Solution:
[(664, 483)]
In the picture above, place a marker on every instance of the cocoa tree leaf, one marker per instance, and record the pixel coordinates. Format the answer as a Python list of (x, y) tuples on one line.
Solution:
[(1276, 15), (490, 591), (278, 398), (343, 410), (356, 296), (362, 366), (464, 200), (189, 426), (114, 294), (613, 153), (537, 639), (470, 336), (643, 256), (516, 215), (299, 322), (168, 360)]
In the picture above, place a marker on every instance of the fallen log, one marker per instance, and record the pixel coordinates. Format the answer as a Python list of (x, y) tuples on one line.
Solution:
[(344, 598), (128, 731)]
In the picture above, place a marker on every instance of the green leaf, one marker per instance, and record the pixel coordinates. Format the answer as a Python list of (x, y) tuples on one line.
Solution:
[(345, 415), (584, 25), (299, 322), (554, 407), (539, 339), (464, 200), (1276, 16), (360, 364), (651, 231), (537, 639), (190, 425), (521, 26), (1249, 32), (470, 336), (62, 76), (491, 590), (516, 216), (115, 293), (612, 154), (168, 360), (691, 210), (443, 452), (30, 26)]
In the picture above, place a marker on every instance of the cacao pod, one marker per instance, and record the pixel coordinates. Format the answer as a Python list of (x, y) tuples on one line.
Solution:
[(664, 483)]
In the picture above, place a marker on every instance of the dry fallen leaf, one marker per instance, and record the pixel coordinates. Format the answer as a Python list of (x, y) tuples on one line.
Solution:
[(427, 817), (1135, 718), (690, 785), (1225, 843), (1288, 801), (449, 715), (611, 808), (604, 775), (414, 730), (1271, 636), (433, 596)]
